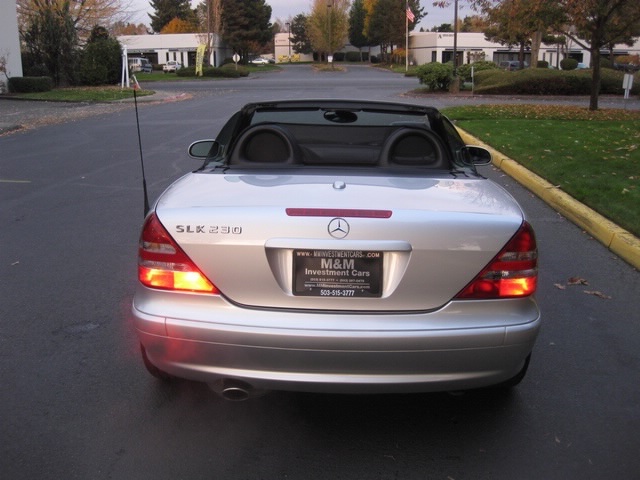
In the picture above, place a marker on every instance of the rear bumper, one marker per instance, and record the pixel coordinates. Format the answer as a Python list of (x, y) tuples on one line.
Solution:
[(453, 348)]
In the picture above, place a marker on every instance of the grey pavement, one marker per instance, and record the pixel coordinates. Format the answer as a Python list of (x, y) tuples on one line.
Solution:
[(16, 114)]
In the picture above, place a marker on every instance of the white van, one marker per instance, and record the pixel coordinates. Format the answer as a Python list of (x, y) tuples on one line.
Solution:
[(139, 64)]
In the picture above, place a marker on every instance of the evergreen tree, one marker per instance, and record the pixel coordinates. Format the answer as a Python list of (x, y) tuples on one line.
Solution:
[(299, 37), (245, 25), (357, 16), (167, 10), (101, 60), (51, 42)]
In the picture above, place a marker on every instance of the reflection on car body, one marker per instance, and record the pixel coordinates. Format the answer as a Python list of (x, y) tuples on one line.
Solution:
[(337, 246)]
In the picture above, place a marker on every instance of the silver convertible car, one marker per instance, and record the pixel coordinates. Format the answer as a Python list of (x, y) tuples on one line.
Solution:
[(337, 246)]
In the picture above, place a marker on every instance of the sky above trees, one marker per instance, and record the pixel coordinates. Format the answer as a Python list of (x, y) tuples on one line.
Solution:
[(283, 9)]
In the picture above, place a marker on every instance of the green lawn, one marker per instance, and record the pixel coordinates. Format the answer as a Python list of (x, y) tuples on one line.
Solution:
[(84, 94), (593, 156)]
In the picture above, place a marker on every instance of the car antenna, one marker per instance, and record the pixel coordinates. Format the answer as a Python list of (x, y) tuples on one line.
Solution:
[(144, 179)]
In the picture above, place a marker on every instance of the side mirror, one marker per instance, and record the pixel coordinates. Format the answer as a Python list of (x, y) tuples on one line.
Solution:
[(479, 156), (203, 149)]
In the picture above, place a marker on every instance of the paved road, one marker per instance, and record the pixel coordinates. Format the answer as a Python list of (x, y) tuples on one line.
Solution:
[(76, 402)]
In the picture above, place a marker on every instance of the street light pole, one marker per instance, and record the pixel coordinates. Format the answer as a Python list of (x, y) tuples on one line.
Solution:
[(330, 44), (455, 83), (289, 39)]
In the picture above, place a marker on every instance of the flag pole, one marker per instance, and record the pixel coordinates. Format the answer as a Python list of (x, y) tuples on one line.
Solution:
[(406, 36)]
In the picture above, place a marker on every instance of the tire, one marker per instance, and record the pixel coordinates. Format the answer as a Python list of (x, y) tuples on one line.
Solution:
[(152, 369)]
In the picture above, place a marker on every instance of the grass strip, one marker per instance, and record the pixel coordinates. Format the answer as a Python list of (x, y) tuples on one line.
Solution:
[(86, 94), (593, 156)]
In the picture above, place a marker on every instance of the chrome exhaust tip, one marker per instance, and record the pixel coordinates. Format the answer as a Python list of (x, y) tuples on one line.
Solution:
[(235, 390)]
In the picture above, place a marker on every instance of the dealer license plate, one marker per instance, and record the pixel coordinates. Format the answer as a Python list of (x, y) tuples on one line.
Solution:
[(337, 273)]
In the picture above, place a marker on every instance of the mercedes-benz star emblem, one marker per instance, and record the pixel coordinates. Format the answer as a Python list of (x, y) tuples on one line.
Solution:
[(338, 228)]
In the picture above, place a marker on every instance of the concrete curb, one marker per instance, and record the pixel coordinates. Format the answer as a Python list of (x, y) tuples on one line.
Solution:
[(618, 240)]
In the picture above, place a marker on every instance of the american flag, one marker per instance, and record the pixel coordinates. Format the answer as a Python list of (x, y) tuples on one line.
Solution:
[(410, 15)]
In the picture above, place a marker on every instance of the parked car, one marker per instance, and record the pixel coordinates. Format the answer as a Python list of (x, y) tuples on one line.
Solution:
[(261, 61), (171, 66), (139, 64), (337, 246), (513, 65), (582, 66)]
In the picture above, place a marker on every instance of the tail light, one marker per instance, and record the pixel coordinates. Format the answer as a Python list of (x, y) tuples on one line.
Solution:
[(512, 273), (163, 264)]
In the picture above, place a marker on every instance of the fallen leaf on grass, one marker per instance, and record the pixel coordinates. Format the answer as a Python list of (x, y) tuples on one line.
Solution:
[(595, 293)]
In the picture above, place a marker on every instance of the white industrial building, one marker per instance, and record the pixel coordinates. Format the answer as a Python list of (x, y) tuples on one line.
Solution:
[(181, 47), (9, 44), (427, 47)]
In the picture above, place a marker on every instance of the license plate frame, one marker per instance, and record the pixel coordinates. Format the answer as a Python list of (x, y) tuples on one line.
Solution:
[(337, 273)]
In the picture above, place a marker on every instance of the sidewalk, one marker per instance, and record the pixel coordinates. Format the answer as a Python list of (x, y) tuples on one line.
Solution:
[(615, 238)]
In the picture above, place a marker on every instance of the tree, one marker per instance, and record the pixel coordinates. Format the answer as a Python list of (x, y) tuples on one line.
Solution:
[(101, 59), (167, 10), (83, 14), (245, 25), (51, 41), (596, 24), (357, 16), (443, 27), (508, 24), (386, 21), (328, 25), (299, 37), (592, 24), (125, 28), (209, 16), (177, 25), (474, 23)]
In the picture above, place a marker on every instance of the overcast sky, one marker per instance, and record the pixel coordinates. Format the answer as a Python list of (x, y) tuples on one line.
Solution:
[(283, 9)]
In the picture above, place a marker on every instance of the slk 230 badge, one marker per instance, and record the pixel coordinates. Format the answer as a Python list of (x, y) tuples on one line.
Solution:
[(210, 229)]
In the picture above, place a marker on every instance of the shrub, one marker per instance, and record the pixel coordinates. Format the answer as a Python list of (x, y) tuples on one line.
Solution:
[(542, 64), (30, 84), (436, 76), (101, 62), (569, 64), (464, 71), (225, 71), (338, 57), (542, 81), (605, 63)]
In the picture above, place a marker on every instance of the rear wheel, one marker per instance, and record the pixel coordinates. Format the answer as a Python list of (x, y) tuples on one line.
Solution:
[(152, 369)]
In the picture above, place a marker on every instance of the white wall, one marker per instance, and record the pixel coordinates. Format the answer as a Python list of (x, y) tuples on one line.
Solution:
[(9, 41)]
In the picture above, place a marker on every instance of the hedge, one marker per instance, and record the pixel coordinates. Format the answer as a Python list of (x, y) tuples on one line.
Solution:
[(30, 84), (543, 81), (226, 71)]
